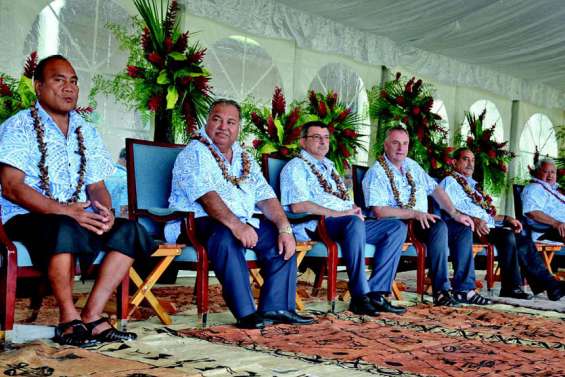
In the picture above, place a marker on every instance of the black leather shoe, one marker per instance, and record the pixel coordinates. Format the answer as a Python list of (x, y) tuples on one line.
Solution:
[(363, 306), (286, 316), (252, 321), (556, 293), (516, 293), (383, 305)]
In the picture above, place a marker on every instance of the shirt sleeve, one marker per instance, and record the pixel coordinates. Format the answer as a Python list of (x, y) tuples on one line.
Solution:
[(375, 188), (452, 189), (16, 142), (191, 172), (263, 190), (424, 179), (534, 198), (294, 186), (99, 164)]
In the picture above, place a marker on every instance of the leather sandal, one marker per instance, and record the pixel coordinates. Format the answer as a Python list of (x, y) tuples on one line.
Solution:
[(109, 335), (78, 337)]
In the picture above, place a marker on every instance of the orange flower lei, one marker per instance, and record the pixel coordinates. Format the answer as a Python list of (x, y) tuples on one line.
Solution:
[(395, 192), (342, 190), (478, 196), (44, 183), (246, 166)]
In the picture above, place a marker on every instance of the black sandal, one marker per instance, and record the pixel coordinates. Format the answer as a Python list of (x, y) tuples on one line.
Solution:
[(79, 337), (444, 298), (475, 299), (110, 335)]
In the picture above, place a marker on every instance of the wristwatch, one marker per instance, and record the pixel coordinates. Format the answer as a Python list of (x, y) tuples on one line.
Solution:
[(286, 230)]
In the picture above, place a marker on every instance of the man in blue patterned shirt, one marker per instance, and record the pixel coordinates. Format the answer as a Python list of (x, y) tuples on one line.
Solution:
[(397, 187), (543, 203), (310, 183), (54, 201), (222, 185), (514, 249)]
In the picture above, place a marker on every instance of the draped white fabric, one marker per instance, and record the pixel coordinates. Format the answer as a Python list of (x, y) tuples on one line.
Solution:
[(456, 42)]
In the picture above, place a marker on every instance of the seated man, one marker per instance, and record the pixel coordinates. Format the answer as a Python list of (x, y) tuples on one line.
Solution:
[(543, 203), (514, 249), (218, 181), (309, 183), (54, 201), (397, 187)]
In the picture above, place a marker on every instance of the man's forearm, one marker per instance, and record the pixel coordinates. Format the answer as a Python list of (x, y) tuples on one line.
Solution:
[(273, 211), (542, 217), (218, 210), (30, 199), (399, 213), (311, 208), (98, 192), (444, 201)]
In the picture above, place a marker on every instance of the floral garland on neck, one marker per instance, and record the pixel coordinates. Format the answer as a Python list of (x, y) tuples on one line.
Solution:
[(44, 183), (341, 188), (551, 192), (246, 166), (477, 195), (412, 200)]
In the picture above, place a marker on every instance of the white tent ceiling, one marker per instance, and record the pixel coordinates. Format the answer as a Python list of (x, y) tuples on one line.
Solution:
[(521, 38)]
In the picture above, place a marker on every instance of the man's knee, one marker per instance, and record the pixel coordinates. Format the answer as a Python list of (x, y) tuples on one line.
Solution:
[(354, 224), (399, 228), (222, 241), (64, 223)]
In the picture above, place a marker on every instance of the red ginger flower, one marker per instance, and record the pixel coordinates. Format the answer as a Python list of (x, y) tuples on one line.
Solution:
[(416, 110), (154, 103), (322, 109), (284, 151), (257, 143), (155, 59), (135, 72), (384, 93), (344, 151), (197, 56), (146, 40), (170, 18), (491, 154), (344, 114), (428, 105), (168, 44), (292, 135), (349, 133), (331, 100), (4, 89), (201, 84), (278, 103), (313, 99), (182, 42), (271, 128), (257, 120), (30, 65), (293, 118)]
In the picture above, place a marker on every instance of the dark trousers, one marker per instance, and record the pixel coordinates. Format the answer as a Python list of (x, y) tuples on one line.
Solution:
[(533, 266), (227, 255), (445, 238), (505, 242)]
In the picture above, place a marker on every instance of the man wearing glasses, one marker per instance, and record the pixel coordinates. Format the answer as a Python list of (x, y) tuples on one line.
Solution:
[(310, 183)]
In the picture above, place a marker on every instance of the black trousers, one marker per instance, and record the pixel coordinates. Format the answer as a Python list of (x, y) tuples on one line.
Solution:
[(45, 235)]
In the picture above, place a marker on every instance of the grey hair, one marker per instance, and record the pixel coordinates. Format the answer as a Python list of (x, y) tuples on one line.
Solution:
[(544, 161)]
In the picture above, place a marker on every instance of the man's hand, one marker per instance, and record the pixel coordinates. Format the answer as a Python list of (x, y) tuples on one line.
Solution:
[(246, 235), (481, 227), (516, 225), (561, 229), (91, 221), (464, 219), (355, 211), (424, 218), (107, 213), (287, 245)]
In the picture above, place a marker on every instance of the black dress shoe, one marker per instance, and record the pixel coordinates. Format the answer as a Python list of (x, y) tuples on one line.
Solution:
[(363, 306), (286, 316), (556, 293), (383, 305), (252, 321), (516, 293)]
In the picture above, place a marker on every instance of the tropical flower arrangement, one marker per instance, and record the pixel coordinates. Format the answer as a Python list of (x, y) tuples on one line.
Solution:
[(410, 102), (16, 95), (491, 159), (165, 74), (277, 131)]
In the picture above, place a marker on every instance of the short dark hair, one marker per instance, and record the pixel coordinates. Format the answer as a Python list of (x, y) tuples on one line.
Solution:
[(308, 125), (40, 68), (396, 128), (458, 151), (224, 101), (123, 154)]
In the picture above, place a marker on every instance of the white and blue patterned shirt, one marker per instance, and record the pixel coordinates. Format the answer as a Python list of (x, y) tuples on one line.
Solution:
[(378, 190), (299, 184), (537, 198), (196, 173), (462, 202), (19, 149)]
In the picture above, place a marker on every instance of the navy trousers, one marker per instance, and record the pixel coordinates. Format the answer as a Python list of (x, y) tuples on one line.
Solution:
[(445, 238), (227, 256), (507, 249)]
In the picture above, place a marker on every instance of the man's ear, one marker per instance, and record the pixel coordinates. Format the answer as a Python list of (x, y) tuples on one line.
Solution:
[(37, 87)]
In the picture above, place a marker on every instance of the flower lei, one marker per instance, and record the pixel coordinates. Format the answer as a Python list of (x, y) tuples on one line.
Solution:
[(44, 183), (342, 190), (395, 192), (548, 190), (478, 196), (246, 168)]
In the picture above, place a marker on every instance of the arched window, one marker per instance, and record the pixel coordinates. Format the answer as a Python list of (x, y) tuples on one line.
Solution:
[(240, 68), (351, 91), (538, 132), (76, 29), (492, 116)]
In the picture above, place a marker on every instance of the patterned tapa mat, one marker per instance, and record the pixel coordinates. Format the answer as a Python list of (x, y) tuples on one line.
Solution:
[(425, 341)]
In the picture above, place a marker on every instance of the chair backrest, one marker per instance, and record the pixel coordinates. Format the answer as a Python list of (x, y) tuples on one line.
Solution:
[(150, 167), (517, 192), (357, 174), (272, 167)]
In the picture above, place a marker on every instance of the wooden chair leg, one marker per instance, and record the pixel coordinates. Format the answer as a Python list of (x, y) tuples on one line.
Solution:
[(122, 300), (8, 278), (421, 271), (202, 292), (490, 267)]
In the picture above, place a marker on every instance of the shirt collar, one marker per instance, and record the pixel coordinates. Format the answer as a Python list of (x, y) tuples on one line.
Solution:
[(236, 148), (469, 180), (48, 120), (544, 183), (404, 167), (327, 163)]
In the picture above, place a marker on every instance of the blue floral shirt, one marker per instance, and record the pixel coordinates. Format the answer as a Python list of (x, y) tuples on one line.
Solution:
[(536, 197), (378, 190), (117, 185), (196, 173), (19, 149), (462, 202), (300, 184)]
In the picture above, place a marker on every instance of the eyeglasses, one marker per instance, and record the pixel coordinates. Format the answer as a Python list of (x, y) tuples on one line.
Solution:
[(318, 138)]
